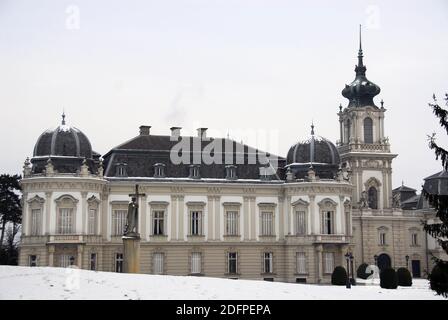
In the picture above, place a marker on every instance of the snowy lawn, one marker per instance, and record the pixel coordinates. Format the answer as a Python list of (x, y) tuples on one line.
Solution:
[(59, 283)]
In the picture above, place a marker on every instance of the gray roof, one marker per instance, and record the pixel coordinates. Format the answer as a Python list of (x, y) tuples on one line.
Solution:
[(141, 153)]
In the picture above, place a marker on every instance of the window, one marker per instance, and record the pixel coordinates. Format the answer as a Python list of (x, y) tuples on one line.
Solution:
[(159, 170), (158, 222), (36, 222), (196, 223), (267, 262), (119, 220), (93, 261), (121, 170), (301, 262), (65, 221), (232, 223), (414, 239), (32, 260), (157, 262), (66, 260), (232, 258), (328, 262), (267, 223), (92, 221), (373, 198), (195, 172), (119, 262), (327, 222), (382, 238), (300, 223), (231, 172), (196, 263), (368, 130)]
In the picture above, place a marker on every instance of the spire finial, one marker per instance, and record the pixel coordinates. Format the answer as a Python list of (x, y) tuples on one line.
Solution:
[(360, 39), (360, 68), (312, 128), (360, 53), (63, 117)]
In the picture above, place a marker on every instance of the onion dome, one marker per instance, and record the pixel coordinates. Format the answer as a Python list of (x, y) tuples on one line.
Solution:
[(317, 153), (66, 146), (361, 91)]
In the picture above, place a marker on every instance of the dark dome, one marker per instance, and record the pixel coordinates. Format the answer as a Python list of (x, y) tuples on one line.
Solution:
[(360, 92), (66, 147), (63, 141), (317, 152)]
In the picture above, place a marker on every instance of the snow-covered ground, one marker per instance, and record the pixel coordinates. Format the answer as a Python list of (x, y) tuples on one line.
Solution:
[(59, 283)]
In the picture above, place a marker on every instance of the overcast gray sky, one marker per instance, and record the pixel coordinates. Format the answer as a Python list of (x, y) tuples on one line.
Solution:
[(269, 66)]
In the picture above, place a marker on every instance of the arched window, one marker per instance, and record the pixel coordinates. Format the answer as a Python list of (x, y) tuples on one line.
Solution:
[(368, 130), (348, 125), (373, 198)]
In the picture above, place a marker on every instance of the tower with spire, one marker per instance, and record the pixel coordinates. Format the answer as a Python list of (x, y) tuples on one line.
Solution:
[(363, 145)]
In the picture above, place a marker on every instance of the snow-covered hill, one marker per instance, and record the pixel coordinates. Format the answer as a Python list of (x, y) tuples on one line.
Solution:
[(59, 283)]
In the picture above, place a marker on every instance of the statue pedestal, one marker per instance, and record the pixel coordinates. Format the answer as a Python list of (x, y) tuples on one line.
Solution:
[(131, 258)]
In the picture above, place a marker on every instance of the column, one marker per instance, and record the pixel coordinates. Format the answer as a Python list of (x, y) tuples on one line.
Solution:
[(48, 228), (211, 213), (343, 217), (26, 230), (389, 182), (104, 214), (51, 255), (143, 213), (217, 219), (247, 226), (281, 217), (341, 130), (79, 256), (174, 215), (360, 188), (312, 215), (288, 216), (253, 219), (181, 226), (84, 227), (319, 250)]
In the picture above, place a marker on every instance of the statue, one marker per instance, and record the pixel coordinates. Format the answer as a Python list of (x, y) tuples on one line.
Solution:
[(363, 200), (131, 228), (132, 218)]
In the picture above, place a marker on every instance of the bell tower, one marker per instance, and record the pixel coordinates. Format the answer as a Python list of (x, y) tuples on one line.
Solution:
[(362, 145)]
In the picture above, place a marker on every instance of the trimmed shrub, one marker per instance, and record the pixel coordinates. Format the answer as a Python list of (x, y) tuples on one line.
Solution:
[(361, 272), (438, 278), (388, 279), (404, 277), (339, 276)]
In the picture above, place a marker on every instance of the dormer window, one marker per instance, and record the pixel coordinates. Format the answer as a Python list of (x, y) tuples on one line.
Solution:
[(195, 171), (121, 170), (159, 170), (231, 172), (265, 173)]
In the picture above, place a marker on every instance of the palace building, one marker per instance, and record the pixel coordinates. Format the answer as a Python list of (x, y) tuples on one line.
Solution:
[(215, 207)]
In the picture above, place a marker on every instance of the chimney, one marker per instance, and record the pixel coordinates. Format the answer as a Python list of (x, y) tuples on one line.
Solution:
[(202, 133), (175, 133), (144, 130)]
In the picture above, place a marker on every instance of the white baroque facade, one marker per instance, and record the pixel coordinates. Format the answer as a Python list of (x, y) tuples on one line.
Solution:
[(232, 219)]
